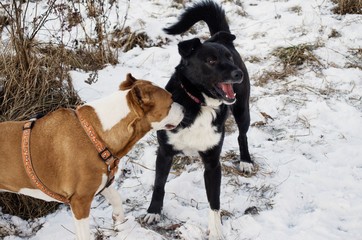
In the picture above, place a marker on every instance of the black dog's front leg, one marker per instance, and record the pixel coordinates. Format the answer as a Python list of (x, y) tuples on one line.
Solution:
[(241, 114), (163, 166), (212, 177)]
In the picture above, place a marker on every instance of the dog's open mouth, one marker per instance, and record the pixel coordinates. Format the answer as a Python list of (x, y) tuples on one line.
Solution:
[(226, 91)]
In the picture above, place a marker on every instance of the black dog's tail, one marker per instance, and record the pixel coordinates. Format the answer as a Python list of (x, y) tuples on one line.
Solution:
[(207, 11)]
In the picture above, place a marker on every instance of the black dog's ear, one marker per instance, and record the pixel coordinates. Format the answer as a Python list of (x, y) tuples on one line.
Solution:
[(185, 48), (222, 37)]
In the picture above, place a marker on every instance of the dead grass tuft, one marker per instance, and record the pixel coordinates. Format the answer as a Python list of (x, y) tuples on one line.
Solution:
[(39, 86), (348, 6), (25, 207), (83, 58), (295, 55), (291, 58), (334, 34), (275, 75), (230, 165), (355, 58), (230, 125), (4, 21), (296, 9), (180, 162), (126, 39)]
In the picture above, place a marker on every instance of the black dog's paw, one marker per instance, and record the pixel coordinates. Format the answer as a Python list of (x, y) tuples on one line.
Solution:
[(247, 168), (152, 218)]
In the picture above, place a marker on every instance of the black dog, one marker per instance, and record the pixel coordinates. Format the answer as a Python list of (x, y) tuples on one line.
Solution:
[(210, 79)]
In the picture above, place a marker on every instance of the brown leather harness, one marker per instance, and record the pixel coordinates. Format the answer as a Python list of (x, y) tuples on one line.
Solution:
[(25, 148), (104, 153)]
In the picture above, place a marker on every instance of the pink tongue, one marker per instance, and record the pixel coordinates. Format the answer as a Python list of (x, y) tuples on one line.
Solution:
[(228, 90)]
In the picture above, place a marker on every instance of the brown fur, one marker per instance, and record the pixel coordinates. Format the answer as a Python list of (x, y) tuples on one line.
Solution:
[(63, 156)]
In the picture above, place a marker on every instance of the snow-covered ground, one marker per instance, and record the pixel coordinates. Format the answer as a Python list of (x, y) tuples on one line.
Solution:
[(309, 182)]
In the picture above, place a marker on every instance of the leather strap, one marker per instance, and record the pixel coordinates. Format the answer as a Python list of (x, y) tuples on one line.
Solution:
[(108, 158), (25, 148)]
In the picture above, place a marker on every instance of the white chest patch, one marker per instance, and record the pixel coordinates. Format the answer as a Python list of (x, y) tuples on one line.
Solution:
[(111, 109), (200, 136)]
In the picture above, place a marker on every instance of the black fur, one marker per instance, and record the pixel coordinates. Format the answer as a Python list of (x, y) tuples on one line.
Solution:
[(202, 68)]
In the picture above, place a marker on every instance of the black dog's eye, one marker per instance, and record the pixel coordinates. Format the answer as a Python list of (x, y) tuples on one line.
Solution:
[(211, 61), (230, 57)]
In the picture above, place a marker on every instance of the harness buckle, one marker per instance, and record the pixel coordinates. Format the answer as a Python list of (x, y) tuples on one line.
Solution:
[(105, 154)]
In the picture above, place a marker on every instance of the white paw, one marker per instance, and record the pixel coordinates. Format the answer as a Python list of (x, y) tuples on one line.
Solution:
[(152, 217), (246, 167), (124, 225), (215, 232), (118, 218)]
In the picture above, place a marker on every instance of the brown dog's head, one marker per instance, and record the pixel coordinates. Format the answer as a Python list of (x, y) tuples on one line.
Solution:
[(152, 103)]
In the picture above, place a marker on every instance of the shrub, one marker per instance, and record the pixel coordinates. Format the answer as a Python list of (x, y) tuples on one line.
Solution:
[(348, 6)]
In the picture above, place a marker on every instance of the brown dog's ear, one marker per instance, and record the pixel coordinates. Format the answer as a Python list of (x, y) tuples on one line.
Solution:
[(185, 48), (128, 83), (222, 37), (143, 96), (140, 100)]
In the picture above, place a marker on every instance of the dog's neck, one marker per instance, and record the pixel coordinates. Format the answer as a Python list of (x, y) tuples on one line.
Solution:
[(116, 125), (195, 99), (111, 109), (207, 101)]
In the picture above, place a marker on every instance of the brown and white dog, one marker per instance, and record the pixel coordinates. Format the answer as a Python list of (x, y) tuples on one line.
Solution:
[(65, 159)]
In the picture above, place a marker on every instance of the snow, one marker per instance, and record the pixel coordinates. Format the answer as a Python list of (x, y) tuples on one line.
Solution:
[(309, 183)]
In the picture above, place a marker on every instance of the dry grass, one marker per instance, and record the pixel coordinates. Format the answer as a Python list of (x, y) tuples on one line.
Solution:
[(25, 207), (348, 7), (296, 9), (334, 34), (355, 58), (230, 161), (180, 162), (275, 75), (230, 125), (4, 21), (43, 86), (295, 55), (126, 39), (291, 58)]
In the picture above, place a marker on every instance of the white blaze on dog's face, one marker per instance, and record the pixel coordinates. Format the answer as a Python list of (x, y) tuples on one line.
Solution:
[(153, 104)]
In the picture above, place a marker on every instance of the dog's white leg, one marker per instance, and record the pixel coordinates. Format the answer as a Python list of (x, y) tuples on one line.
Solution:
[(114, 198), (82, 228), (215, 232), (246, 167)]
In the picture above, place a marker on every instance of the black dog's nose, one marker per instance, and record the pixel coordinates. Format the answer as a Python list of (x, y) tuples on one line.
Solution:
[(237, 75)]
